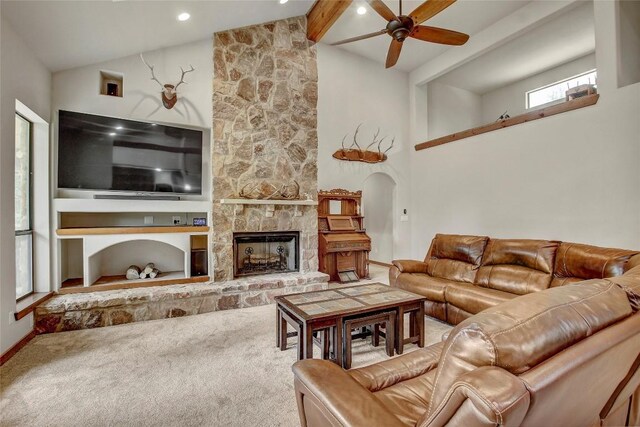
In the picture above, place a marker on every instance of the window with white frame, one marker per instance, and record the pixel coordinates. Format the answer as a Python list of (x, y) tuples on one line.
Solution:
[(22, 192), (555, 92)]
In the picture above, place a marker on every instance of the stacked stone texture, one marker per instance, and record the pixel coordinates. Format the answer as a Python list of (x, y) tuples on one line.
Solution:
[(265, 92)]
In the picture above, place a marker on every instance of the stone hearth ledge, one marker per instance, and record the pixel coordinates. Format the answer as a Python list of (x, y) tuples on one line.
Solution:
[(97, 309)]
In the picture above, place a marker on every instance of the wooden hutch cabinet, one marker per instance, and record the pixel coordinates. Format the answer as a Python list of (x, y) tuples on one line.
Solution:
[(342, 241)]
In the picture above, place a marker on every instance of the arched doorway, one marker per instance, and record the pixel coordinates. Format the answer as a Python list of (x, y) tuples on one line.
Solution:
[(378, 203)]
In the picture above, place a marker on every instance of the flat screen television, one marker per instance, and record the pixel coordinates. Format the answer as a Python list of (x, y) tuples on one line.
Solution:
[(106, 153)]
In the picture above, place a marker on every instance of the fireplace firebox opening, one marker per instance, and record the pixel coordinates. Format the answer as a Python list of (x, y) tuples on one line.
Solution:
[(266, 253)]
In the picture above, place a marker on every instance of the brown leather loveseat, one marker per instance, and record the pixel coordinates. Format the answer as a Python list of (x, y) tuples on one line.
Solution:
[(463, 275), (565, 356)]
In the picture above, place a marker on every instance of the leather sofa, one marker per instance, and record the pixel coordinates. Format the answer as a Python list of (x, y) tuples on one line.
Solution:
[(463, 275), (565, 356)]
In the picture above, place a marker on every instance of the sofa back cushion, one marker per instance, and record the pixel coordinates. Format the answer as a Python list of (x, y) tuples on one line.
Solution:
[(519, 334), (576, 262), (455, 257), (517, 266)]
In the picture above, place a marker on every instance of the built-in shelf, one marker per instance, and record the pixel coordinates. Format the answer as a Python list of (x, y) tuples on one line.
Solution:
[(95, 231), (268, 202), (108, 283), (105, 205), (574, 104)]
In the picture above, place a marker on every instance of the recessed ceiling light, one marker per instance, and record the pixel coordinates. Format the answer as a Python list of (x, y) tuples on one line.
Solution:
[(183, 16), (112, 134), (282, 1), (361, 10)]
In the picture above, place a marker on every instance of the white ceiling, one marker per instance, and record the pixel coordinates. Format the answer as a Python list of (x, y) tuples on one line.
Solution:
[(568, 36), (467, 16), (69, 34)]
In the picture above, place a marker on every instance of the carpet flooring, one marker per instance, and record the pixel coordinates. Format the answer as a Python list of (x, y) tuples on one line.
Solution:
[(214, 369)]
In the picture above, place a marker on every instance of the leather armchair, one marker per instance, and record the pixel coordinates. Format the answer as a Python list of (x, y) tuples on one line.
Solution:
[(563, 356)]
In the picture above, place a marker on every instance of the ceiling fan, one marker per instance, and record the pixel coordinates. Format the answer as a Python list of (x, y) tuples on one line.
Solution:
[(402, 26)]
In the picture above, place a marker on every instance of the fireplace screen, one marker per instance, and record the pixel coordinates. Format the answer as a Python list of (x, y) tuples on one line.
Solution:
[(265, 253)]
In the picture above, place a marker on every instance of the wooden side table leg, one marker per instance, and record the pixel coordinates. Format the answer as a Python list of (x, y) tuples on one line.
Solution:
[(420, 324), (283, 333), (346, 357), (300, 347), (325, 343), (389, 339), (400, 331), (307, 341), (337, 341), (278, 327), (412, 324), (375, 336)]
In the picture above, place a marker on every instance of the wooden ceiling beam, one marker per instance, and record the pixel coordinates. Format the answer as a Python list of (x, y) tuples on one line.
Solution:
[(322, 15)]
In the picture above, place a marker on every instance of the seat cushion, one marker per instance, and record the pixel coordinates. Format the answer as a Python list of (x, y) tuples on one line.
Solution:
[(404, 384), (576, 262), (423, 284), (521, 333), (474, 299), (630, 283), (455, 257)]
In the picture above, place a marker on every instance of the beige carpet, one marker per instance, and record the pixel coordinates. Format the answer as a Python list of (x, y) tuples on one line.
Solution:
[(215, 369)]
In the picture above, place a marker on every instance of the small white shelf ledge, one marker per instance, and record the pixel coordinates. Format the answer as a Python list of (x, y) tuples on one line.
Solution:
[(106, 205), (269, 204)]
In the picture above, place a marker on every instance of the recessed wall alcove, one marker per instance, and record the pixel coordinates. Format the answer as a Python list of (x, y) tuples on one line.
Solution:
[(113, 261)]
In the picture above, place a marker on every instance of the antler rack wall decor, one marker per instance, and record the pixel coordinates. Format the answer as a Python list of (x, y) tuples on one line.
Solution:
[(358, 154), (267, 191), (169, 91)]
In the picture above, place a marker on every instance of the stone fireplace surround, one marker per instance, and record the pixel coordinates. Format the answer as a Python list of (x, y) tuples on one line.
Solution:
[(264, 133)]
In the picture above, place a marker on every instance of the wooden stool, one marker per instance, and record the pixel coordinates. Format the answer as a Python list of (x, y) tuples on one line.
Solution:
[(388, 318)]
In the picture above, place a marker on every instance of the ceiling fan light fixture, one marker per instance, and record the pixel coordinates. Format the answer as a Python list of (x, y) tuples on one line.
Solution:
[(361, 10)]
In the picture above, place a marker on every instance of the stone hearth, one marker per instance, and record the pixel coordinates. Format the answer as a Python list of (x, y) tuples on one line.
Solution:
[(96, 309)]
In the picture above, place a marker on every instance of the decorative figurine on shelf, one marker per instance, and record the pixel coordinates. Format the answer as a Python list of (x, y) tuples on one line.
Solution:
[(169, 91), (504, 116)]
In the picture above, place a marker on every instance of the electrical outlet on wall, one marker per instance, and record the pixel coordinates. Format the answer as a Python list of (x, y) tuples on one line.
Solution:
[(148, 219), (176, 220)]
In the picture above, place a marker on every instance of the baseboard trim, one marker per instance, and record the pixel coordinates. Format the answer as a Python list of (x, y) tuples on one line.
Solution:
[(17, 347), (384, 264)]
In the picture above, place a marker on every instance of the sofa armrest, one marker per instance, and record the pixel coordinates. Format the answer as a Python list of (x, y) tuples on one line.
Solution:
[(486, 394), (327, 395), (410, 266)]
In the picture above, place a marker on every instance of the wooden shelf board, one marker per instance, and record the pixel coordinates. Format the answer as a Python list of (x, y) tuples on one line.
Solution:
[(29, 303), (74, 282), (108, 283), (574, 104), (268, 202), (92, 231)]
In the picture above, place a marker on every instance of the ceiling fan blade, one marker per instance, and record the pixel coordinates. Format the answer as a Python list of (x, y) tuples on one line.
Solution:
[(428, 9), (355, 39), (382, 9), (394, 53), (438, 35)]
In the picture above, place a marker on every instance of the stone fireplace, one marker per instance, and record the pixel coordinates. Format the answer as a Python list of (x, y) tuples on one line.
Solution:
[(264, 135), (265, 253)]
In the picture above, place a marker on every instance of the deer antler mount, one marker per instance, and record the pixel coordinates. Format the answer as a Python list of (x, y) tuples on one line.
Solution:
[(355, 153), (169, 91)]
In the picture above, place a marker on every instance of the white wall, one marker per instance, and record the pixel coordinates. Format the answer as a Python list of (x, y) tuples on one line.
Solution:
[(629, 39), (23, 78), (377, 199), (571, 177), (78, 89), (354, 90), (451, 109), (512, 97)]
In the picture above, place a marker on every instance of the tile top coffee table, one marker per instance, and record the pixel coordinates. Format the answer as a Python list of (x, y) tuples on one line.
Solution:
[(311, 312)]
